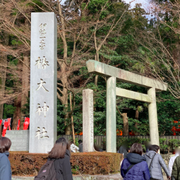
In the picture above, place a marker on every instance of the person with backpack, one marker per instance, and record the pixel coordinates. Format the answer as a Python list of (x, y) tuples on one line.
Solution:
[(5, 167), (58, 166), (134, 166), (155, 162)]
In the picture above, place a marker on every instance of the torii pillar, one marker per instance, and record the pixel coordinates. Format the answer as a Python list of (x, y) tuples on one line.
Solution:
[(112, 91)]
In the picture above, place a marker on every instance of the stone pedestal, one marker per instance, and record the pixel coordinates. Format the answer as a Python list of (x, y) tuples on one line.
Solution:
[(43, 85), (153, 120), (111, 115), (88, 121), (19, 139)]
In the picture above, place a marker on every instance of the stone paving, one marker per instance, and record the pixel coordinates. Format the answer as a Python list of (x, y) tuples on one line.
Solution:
[(83, 177)]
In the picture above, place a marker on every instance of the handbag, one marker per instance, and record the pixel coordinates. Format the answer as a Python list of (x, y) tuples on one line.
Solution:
[(172, 178)]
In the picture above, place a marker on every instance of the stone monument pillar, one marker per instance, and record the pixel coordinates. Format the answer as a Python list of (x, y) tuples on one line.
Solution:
[(43, 85), (88, 121), (153, 120), (111, 115)]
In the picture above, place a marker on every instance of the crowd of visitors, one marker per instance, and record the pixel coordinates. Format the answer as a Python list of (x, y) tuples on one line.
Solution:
[(148, 166), (135, 165)]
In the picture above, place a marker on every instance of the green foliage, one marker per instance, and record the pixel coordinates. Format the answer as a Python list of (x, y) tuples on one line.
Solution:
[(26, 109), (36, 4), (122, 50), (9, 110), (163, 145), (168, 110), (96, 5), (76, 141), (173, 144), (14, 42), (131, 141)]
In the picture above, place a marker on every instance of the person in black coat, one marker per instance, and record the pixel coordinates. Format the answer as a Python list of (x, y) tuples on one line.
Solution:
[(80, 145), (123, 149), (5, 167), (62, 165)]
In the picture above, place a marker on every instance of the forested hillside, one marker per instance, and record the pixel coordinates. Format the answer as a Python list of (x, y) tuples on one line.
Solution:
[(108, 31)]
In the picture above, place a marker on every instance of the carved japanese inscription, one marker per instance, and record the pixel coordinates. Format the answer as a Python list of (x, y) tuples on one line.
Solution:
[(42, 32), (41, 85), (42, 63), (41, 134), (42, 109), (43, 95)]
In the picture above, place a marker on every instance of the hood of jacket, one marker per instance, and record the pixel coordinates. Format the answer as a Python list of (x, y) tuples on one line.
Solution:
[(5, 153), (150, 154), (134, 158)]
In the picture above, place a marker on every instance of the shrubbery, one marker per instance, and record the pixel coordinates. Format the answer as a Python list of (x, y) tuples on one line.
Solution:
[(82, 163)]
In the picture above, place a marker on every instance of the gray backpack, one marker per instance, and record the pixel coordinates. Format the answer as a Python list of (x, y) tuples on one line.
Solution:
[(47, 172)]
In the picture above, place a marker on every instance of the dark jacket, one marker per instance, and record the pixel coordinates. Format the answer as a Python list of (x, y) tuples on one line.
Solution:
[(81, 147), (5, 167), (140, 169), (63, 168), (176, 169), (123, 150), (157, 163)]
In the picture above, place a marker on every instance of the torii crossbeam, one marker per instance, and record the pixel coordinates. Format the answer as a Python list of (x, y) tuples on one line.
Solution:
[(112, 91)]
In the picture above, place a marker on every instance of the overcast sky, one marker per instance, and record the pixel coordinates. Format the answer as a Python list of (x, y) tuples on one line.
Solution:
[(145, 3)]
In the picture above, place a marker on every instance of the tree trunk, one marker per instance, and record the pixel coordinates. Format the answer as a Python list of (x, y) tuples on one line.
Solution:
[(17, 102), (68, 125), (72, 121), (17, 113), (136, 124), (3, 68), (1, 111), (97, 59), (63, 66), (3, 63), (126, 124), (25, 85)]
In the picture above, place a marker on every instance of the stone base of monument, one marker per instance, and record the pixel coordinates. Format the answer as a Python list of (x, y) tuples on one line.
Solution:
[(19, 139)]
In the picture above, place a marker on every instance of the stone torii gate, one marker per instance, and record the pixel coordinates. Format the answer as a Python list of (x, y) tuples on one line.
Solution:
[(112, 91)]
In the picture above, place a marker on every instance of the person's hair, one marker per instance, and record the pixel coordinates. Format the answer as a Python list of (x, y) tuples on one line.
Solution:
[(59, 149), (136, 148), (154, 148), (5, 144), (80, 141)]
